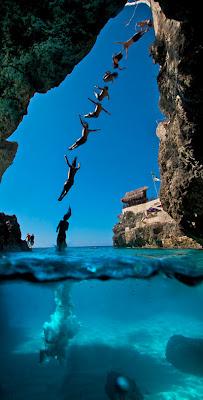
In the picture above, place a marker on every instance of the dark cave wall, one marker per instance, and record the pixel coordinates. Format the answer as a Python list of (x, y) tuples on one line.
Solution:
[(40, 43)]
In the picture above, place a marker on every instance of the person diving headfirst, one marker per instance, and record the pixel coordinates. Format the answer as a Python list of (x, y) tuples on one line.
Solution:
[(85, 133), (73, 168)]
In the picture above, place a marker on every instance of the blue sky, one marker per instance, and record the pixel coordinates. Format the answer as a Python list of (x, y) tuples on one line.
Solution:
[(117, 159)]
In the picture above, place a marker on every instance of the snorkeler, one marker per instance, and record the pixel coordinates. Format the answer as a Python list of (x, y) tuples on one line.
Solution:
[(85, 133), (132, 40), (119, 387), (104, 93), (71, 175), (110, 76), (98, 109), (116, 58), (61, 229)]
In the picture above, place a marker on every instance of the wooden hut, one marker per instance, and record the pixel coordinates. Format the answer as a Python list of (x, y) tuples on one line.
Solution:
[(135, 197)]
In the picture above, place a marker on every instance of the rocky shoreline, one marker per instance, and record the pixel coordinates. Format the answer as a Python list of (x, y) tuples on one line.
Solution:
[(155, 232), (10, 234)]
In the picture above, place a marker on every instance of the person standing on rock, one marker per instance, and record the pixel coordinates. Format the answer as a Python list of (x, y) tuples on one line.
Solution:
[(85, 133), (28, 236), (32, 240), (73, 168), (98, 109), (62, 228), (104, 93)]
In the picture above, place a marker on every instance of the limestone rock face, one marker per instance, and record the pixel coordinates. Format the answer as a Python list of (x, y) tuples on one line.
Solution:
[(10, 234), (40, 43), (178, 49), (161, 231)]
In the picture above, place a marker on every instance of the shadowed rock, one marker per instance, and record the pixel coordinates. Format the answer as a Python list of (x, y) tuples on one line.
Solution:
[(186, 354), (10, 234), (178, 49)]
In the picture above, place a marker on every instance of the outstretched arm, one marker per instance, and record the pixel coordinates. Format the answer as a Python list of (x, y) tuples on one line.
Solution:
[(98, 87), (66, 158), (94, 130), (68, 215), (106, 111), (118, 42), (81, 121)]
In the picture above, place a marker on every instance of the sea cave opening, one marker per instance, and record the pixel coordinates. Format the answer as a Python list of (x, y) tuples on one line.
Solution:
[(115, 160)]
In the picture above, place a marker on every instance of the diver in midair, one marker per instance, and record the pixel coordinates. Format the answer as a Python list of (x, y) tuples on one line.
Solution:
[(145, 23), (98, 109), (116, 58), (132, 40), (110, 76), (104, 92), (73, 168), (85, 133)]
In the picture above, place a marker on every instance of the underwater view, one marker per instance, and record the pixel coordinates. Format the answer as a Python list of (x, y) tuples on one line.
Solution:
[(101, 337)]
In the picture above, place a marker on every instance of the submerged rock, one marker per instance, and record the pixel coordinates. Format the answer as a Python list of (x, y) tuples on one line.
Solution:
[(10, 234), (186, 354)]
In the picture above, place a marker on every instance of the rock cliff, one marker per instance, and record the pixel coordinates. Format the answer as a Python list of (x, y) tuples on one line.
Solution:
[(157, 234), (178, 50), (10, 234), (158, 229)]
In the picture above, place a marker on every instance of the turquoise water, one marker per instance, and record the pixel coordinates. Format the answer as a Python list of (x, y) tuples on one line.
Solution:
[(117, 313)]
